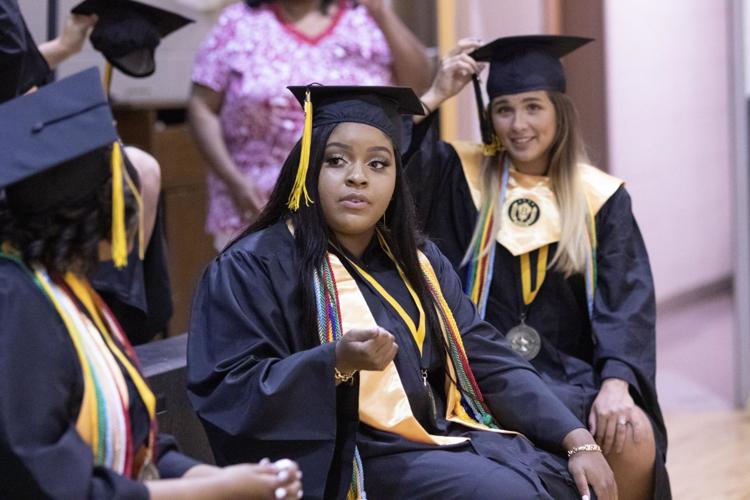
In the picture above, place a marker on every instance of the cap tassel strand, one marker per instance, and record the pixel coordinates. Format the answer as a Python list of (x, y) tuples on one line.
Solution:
[(300, 185)]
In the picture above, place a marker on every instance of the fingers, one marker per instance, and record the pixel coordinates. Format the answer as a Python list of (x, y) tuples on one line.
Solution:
[(620, 435), (369, 349), (609, 435), (462, 64), (581, 483), (603, 483), (466, 45), (362, 334), (592, 422)]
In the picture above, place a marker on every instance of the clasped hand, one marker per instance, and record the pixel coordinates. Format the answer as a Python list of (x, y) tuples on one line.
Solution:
[(365, 349)]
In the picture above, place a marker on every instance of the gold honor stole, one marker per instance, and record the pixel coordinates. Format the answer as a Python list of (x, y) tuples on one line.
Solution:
[(530, 214), (383, 403)]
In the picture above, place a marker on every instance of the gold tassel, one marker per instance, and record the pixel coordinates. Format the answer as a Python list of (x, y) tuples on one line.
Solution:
[(107, 78), (119, 236), (141, 215), (300, 182), (492, 149)]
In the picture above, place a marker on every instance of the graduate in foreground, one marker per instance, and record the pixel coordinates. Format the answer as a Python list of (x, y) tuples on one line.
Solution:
[(332, 333), (77, 418)]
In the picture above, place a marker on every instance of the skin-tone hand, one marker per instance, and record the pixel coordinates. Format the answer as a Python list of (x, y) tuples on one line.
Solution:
[(204, 107), (281, 480), (365, 349), (70, 41), (611, 416), (454, 73), (75, 31), (248, 199), (589, 468), (411, 67)]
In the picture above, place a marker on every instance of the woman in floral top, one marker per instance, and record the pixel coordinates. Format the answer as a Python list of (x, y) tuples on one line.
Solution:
[(245, 121)]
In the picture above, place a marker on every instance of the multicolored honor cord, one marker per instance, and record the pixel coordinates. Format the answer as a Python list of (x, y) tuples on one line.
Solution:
[(482, 262)]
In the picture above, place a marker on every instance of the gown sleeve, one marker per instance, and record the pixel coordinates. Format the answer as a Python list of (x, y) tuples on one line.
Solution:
[(513, 390), (41, 387), (258, 388), (624, 306)]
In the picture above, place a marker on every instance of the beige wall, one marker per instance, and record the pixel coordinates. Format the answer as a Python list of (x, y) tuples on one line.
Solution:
[(668, 88)]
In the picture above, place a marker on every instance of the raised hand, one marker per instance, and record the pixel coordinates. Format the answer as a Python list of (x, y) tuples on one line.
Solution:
[(365, 349), (456, 70)]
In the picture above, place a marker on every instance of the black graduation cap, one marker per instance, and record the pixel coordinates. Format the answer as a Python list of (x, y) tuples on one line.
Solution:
[(522, 64), (525, 63), (128, 32), (59, 146), (380, 107)]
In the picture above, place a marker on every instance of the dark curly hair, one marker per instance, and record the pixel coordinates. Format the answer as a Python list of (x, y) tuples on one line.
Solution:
[(66, 238)]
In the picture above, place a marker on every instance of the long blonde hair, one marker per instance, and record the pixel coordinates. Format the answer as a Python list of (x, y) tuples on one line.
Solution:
[(566, 153)]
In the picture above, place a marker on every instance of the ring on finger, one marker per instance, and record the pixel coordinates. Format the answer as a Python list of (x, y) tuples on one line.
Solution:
[(622, 421)]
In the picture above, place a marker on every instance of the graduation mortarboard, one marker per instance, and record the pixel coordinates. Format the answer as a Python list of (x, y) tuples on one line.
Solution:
[(128, 32), (522, 64), (379, 107), (59, 147)]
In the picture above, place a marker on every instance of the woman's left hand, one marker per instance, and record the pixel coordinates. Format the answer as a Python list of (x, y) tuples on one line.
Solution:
[(74, 32), (612, 414)]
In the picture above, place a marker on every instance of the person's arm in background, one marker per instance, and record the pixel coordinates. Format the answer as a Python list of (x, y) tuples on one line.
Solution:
[(203, 112), (411, 67), (70, 41)]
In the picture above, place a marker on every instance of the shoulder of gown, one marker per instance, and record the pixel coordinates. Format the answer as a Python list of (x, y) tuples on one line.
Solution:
[(38, 437)]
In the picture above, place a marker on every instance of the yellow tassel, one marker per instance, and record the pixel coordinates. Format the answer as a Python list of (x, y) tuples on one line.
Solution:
[(119, 236), (107, 78), (141, 215), (300, 186), (494, 148)]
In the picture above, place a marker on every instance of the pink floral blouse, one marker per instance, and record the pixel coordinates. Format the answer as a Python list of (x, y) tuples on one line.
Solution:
[(251, 56)]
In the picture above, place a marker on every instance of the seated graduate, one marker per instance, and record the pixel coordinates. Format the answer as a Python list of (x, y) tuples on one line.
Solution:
[(77, 419), (547, 247), (331, 332)]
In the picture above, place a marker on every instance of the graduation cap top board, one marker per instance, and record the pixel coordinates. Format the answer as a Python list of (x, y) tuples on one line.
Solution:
[(379, 107), (128, 32), (60, 146), (523, 64)]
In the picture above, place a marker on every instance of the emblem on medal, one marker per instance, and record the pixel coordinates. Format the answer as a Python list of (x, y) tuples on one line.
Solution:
[(523, 212), (525, 340)]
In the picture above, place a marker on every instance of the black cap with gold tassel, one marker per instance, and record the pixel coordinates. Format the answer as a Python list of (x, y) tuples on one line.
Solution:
[(60, 136), (379, 107)]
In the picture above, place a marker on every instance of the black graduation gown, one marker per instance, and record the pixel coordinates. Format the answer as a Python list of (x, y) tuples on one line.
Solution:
[(624, 305), (139, 295), (22, 66), (263, 386), (41, 388)]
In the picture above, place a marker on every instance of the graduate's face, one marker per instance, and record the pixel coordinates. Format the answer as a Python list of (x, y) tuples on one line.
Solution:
[(526, 126), (357, 179)]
